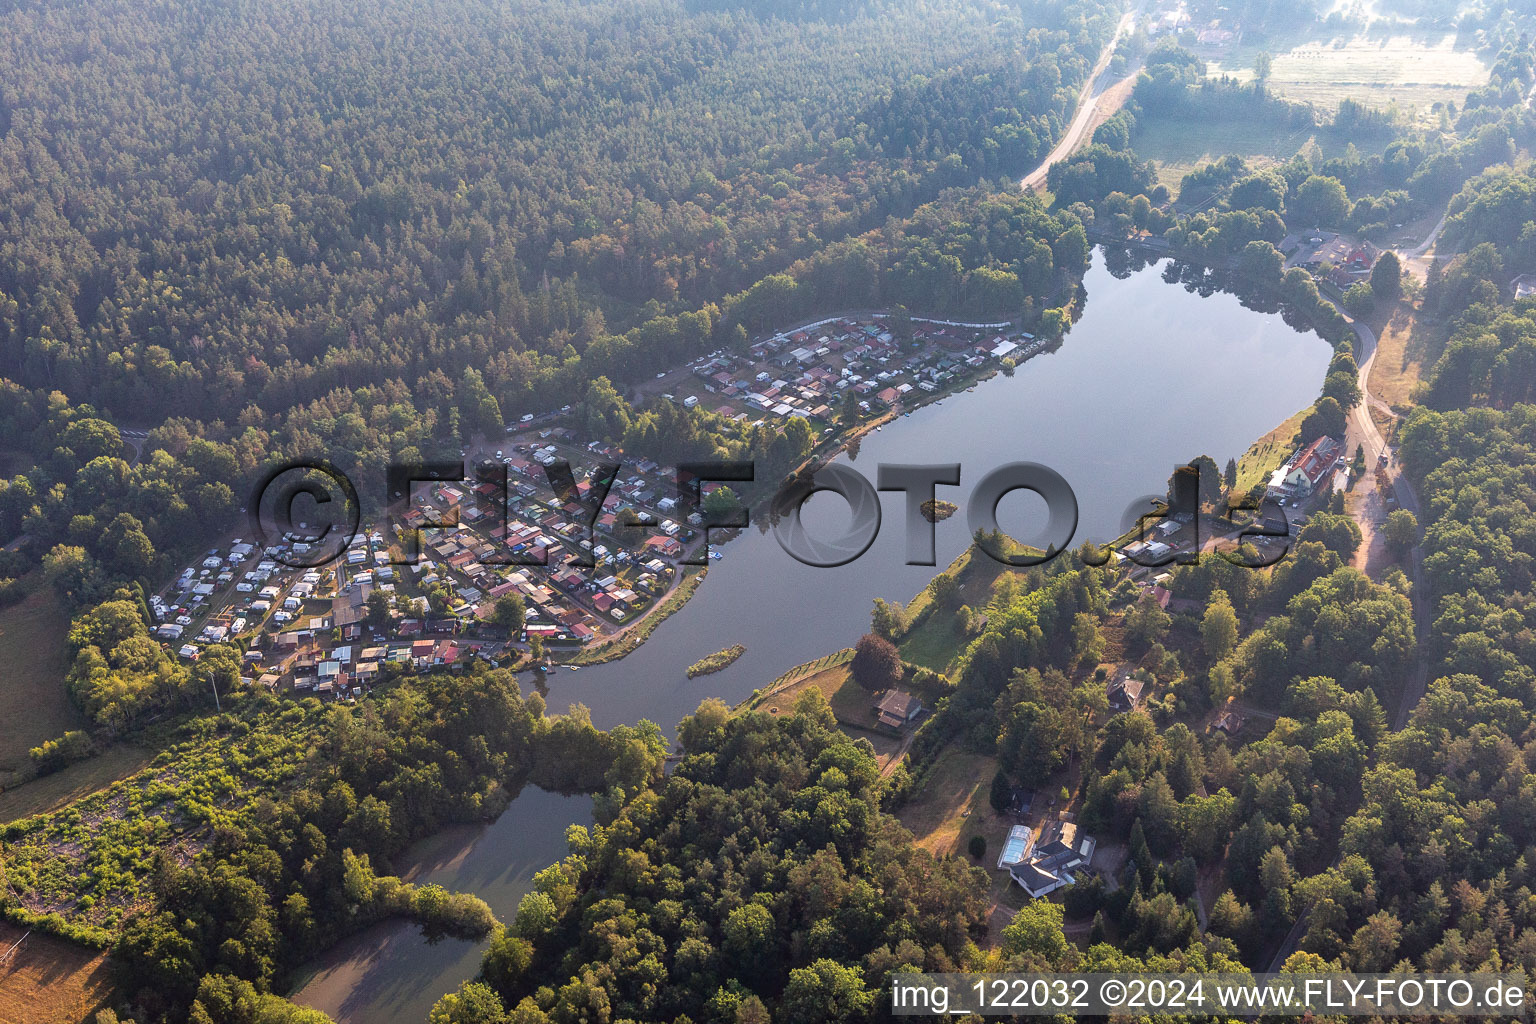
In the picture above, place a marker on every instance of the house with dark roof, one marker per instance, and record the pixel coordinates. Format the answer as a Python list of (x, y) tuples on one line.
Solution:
[(1125, 693), (1053, 862), (897, 708), (1229, 721)]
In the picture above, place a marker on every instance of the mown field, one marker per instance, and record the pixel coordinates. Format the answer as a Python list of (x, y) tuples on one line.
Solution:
[(952, 805), (1178, 146), (1400, 359), (1414, 70), (34, 705), (51, 981)]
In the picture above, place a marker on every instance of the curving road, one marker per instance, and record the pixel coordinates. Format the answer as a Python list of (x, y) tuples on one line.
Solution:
[(1362, 428), (1087, 105), (1420, 258), (1428, 243)]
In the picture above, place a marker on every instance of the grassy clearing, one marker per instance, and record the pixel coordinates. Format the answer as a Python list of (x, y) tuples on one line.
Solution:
[(1178, 146), (34, 703), (976, 573), (1413, 70), (52, 981), (1399, 360), (934, 644), (961, 568), (828, 680), (1264, 456), (952, 805), (52, 792), (850, 703)]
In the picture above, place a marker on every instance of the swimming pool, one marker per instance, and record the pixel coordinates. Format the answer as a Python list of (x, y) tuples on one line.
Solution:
[(1016, 847)]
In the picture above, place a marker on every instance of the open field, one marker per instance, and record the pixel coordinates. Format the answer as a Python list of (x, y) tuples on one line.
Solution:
[(1179, 145), (1413, 70), (933, 644), (1399, 360), (51, 792), (952, 805), (51, 981), (34, 705), (842, 693)]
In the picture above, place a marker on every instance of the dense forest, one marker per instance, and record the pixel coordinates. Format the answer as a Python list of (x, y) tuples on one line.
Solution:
[(322, 231), (360, 228), (329, 230), (760, 881)]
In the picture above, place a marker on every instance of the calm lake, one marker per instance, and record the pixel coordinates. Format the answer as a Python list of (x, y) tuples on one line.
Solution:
[(1155, 373)]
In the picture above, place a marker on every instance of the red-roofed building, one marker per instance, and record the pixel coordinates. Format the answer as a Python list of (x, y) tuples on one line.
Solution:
[(1356, 266), (666, 545), (1309, 470)]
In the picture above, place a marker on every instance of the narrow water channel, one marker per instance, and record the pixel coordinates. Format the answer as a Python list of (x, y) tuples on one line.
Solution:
[(390, 974)]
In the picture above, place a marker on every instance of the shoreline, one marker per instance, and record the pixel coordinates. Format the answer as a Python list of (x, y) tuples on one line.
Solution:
[(604, 651)]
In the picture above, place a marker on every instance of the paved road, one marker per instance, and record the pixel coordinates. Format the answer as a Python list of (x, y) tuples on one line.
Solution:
[(1099, 83), (1420, 258), (1362, 426), (1428, 243)]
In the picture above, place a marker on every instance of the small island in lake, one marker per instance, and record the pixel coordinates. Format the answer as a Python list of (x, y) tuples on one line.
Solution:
[(936, 511), (717, 661)]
